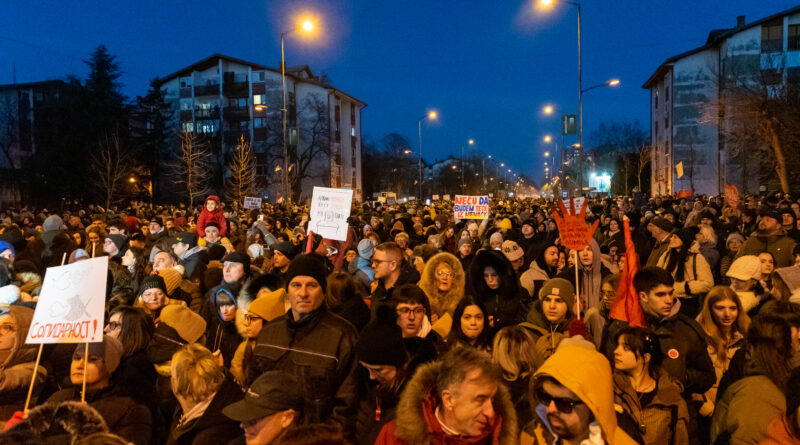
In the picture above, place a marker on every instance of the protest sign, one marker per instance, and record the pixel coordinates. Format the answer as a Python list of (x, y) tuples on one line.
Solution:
[(564, 194), (71, 304), (578, 204), (252, 203), (435, 197), (471, 207), (684, 194), (391, 200), (446, 197), (572, 229), (330, 209), (732, 196)]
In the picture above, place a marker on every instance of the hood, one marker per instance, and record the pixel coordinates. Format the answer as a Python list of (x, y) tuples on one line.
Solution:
[(408, 275), (20, 352), (587, 373), (214, 198), (9, 294), (441, 303), (509, 283), (412, 426), (537, 253)]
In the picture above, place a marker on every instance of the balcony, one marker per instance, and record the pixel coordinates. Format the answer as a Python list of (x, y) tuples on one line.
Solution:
[(236, 113), (206, 113), (206, 90)]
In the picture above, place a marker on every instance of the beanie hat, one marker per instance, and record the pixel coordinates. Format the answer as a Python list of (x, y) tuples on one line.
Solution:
[(118, 240), (110, 349), (153, 282), (496, 237), (172, 279), (76, 255), (662, 223), (268, 305), (215, 252), (241, 258), (463, 241), (7, 246), (790, 276), (286, 248), (771, 213), (733, 236), (505, 223), (188, 324), (157, 220), (212, 224), (186, 238), (559, 287), (511, 250), (401, 236), (381, 341), (366, 248), (309, 265), (53, 222), (746, 267)]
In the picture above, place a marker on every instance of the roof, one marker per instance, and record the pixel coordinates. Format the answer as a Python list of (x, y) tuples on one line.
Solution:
[(715, 37), (28, 85)]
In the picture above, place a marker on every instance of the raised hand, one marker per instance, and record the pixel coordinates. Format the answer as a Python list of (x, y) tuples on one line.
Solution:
[(572, 229)]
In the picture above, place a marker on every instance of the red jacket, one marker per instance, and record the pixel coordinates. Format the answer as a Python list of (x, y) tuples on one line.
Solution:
[(215, 216), (778, 432)]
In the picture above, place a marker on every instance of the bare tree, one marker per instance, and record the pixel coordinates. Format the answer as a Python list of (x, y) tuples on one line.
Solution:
[(242, 166), (314, 144), (643, 158), (110, 165), (193, 167), (9, 133)]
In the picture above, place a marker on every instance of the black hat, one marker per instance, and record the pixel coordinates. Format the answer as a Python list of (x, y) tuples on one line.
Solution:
[(272, 392), (212, 224), (286, 248), (662, 223), (157, 220), (118, 240), (239, 257), (771, 213), (309, 265), (153, 282), (185, 238), (381, 341)]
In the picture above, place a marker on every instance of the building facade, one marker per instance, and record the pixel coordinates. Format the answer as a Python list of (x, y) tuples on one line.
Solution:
[(687, 102), (229, 100)]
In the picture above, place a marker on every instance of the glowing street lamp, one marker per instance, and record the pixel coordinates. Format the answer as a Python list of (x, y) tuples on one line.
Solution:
[(431, 115)]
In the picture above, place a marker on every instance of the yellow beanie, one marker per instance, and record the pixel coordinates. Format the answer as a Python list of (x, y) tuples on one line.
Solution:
[(268, 305), (172, 278), (505, 224), (189, 325)]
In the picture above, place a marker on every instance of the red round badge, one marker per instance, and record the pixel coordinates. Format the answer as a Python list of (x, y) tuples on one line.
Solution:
[(673, 353)]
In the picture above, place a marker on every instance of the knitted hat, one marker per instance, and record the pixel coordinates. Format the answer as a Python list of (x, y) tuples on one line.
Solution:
[(7, 246), (790, 276), (733, 236), (528, 222), (76, 255), (185, 238), (286, 248), (381, 341), (309, 265), (110, 349), (172, 279), (153, 282), (511, 250), (241, 258), (157, 220), (768, 212), (745, 267), (268, 305), (212, 224), (559, 287), (496, 237), (662, 223), (53, 222), (366, 248), (505, 223), (463, 241), (188, 324), (118, 240)]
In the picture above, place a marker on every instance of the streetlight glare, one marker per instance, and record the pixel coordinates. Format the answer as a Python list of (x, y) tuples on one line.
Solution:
[(546, 2), (548, 110), (307, 25), (406, 151), (548, 138), (613, 82), (502, 164), (471, 141), (433, 115), (546, 154)]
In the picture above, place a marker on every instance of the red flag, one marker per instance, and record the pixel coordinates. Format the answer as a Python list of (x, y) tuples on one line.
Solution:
[(626, 305)]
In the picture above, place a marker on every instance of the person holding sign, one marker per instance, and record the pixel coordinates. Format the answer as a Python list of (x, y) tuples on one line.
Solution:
[(124, 416), (16, 360)]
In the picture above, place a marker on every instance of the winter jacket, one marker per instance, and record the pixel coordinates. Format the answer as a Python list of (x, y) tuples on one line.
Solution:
[(124, 416), (505, 306), (590, 279), (216, 216), (720, 367), (596, 319), (780, 245), (381, 295), (778, 432), (664, 419), (416, 422), (194, 263), (742, 415), (443, 303), (538, 272), (320, 351), (221, 335), (17, 369), (588, 375), (55, 424), (658, 249), (697, 274), (362, 272), (547, 335), (212, 427)]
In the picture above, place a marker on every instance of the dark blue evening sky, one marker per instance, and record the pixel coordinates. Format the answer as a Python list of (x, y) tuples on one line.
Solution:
[(488, 67)]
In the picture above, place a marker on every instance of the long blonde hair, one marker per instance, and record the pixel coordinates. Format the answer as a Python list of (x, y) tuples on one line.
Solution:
[(514, 352), (709, 324)]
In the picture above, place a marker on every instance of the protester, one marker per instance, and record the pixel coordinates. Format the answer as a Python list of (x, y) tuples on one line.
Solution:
[(548, 319), (391, 271), (212, 212), (785, 429), (493, 282), (692, 274), (192, 257), (770, 237), (18, 361), (259, 312), (443, 282), (542, 268), (514, 351), (470, 326)]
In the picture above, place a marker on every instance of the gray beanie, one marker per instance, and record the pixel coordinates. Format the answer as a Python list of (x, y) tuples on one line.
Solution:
[(366, 248), (53, 222)]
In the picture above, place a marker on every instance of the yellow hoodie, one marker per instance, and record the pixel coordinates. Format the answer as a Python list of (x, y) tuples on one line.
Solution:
[(587, 373)]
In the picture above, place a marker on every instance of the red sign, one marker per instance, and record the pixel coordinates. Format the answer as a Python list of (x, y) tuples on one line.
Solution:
[(732, 196), (684, 194), (575, 234)]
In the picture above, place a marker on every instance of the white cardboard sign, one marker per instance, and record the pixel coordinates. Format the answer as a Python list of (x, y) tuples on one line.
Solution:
[(252, 203), (579, 200), (330, 209), (71, 304)]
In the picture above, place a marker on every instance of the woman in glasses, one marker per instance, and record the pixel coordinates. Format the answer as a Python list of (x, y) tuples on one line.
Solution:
[(470, 325), (443, 282), (648, 396), (264, 308)]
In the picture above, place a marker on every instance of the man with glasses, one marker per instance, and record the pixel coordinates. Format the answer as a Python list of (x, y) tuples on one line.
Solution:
[(391, 271), (572, 391)]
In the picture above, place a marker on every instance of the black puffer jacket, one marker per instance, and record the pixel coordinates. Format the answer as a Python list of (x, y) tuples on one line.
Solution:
[(381, 295), (320, 351), (504, 305)]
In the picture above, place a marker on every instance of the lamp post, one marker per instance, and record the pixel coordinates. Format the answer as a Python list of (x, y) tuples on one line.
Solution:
[(306, 26), (463, 184), (432, 115)]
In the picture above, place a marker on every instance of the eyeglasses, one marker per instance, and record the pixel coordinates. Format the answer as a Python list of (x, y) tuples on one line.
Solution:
[(114, 325), (443, 274), (404, 311), (490, 275), (373, 261), (562, 404), (6, 329), (251, 318)]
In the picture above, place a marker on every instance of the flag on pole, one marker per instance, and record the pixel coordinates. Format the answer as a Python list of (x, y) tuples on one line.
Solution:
[(626, 305)]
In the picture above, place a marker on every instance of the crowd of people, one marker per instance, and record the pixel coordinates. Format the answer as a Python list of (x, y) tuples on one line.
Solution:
[(233, 326)]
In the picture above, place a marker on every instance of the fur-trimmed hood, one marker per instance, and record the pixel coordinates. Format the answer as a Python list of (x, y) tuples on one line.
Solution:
[(411, 426), (441, 303), (63, 423)]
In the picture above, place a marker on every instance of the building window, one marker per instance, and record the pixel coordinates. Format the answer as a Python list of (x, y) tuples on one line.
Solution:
[(207, 126), (188, 127), (666, 123), (259, 76), (260, 99), (237, 102), (260, 122), (794, 37), (186, 82), (353, 131), (772, 36), (656, 100), (666, 94), (186, 104), (352, 115)]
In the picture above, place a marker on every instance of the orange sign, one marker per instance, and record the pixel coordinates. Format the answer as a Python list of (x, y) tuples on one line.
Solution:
[(684, 194), (732, 196), (572, 229)]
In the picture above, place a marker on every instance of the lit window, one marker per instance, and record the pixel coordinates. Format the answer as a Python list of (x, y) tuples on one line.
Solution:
[(260, 99), (352, 131), (188, 127)]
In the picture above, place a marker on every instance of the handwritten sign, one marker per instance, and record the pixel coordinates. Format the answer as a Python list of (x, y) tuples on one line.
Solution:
[(330, 209), (471, 207), (252, 203), (71, 304), (435, 197), (578, 204), (575, 234), (446, 197), (732, 196)]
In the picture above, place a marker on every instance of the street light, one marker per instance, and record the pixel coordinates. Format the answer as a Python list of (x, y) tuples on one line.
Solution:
[(306, 26), (607, 83), (431, 115)]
